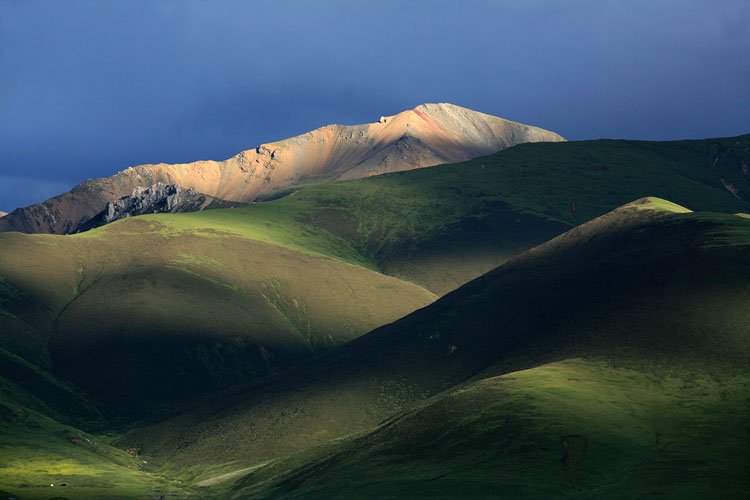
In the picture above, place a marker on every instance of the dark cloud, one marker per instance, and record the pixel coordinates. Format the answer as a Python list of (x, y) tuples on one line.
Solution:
[(32, 187), (88, 87)]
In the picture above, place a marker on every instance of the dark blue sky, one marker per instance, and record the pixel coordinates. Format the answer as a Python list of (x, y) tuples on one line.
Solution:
[(90, 88)]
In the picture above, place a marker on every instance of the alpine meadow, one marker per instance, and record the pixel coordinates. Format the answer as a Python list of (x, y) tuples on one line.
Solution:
[(249, 252)]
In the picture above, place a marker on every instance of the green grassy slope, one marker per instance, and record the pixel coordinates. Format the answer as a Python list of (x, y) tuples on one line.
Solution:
[(36, 281), (572, 429), (658, 293), (141, 315), (144, 315), (443, 226), (438, 227), (39, 454)]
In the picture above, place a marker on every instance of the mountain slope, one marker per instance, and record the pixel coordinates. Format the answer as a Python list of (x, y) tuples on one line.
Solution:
[(448, 224), (445, 225), (638, 289), (440, 228), (426, 135), (143, 315), (626, 331), (45, 459), (433, 217), (571, 429), (451, 223)]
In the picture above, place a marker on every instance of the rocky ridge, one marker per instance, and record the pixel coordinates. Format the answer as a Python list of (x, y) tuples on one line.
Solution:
[(427, 135), (159, 198)]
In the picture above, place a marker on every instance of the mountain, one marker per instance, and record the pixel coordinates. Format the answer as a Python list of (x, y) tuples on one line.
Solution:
[(134, 319), (264, 271), (159, 198), (3, 214), (426, 135), (573, 370), (441, 227), (448, 224)]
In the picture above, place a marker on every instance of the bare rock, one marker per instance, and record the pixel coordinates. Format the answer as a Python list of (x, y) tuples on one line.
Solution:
[(159, 198)]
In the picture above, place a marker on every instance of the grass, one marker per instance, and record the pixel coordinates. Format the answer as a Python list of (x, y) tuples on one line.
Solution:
[(661, 205), (650, 292), (38, 452), (572, 429), (136, 318), (646, 398), (25, 384), (145, 316), (443, 226)]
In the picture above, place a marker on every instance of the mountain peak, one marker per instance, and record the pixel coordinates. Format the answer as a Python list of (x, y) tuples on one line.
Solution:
[(437, 133)]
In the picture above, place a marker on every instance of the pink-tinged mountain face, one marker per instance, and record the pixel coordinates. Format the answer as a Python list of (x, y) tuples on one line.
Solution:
[(427, 135)]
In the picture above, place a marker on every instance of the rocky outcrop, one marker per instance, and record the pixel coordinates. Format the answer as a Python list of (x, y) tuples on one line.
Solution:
[(3, 214), (159, 198), (427, 135)]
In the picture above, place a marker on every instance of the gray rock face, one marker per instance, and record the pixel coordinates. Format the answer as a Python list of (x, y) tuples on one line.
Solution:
[(159, 198)]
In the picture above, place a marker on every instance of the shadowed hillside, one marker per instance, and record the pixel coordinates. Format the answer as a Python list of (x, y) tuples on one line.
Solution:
[(658, 293), (445, 225), (135, 318), (441, 227), (572, 429), (144, 315)]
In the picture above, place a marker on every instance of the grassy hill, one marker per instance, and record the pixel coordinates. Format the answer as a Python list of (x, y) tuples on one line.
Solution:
[(571, 429), (186, 276), (138, 317), (43, 459), (143, 315), (643, 295), (443, 226), (130, 320)]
